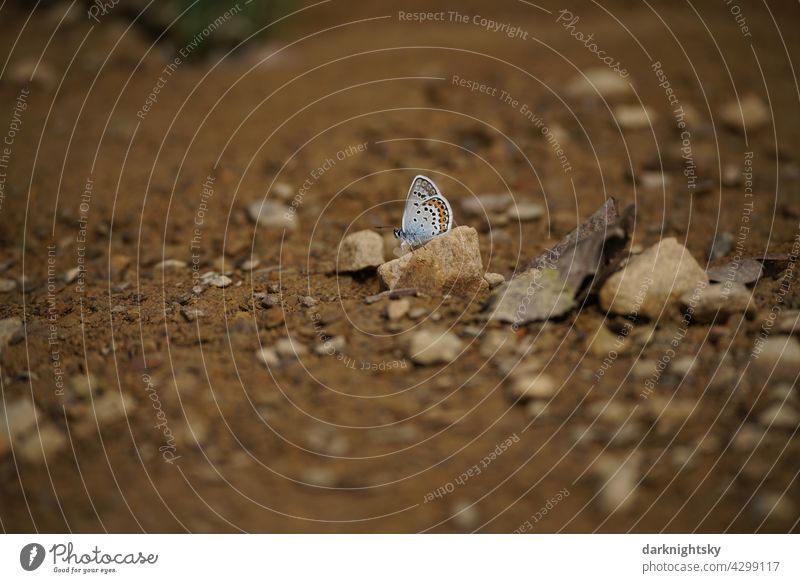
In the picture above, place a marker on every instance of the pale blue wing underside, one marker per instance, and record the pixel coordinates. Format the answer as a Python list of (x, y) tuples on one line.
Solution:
[(427, 213)]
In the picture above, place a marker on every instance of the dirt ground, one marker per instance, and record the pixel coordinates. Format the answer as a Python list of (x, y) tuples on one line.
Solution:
[(156, 413)]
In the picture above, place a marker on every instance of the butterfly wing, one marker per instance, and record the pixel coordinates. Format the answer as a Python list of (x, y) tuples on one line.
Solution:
[(422, 188), (440, 213), (427, 213)]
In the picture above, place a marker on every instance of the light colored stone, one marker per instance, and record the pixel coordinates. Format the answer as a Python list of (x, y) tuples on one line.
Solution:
[(272, 214), (319, 476), (8, 329), (71, 274), (776, 359), (731, 175), (40, 447), (331, 346), (447, 264), (191, 313), (604, 342), (750, 114), (307, 301), (653, 279), (780, 415), (17, 420), (653, 180), (361, 250), (282, 190), (250, 263), (271, 300), (497, 343), (643, 369), (535, 295), (397, 309), (599, 82), (216, 280), (634, 117), (112, 407), (168, 264), (682, 366), (775, 506), (486, 205), (788, 323), (417, 313), (748, 437), (527, 384), (717, 298), (287, 348), (83, 385), (618, 479), (7, 285), (525, 212), (33, 70), (494, 279), (268, 356), (434, 346), (465, 515)]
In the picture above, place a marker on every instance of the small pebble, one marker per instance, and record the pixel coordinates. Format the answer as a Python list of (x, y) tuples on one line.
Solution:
[(598, 82), (287, 348), (750, 114), (191, 314), (272, 214), (465, 515), (71, 274), (331, 346), (486, 204), (42, 446), (434, 346), (112, 407), (282, 190), (618, 479), (634, 117), (777, 359), (525, 212), (270, 300), (268, 356), (527, 383), (168, 264), (779, 415), (361, 250), (417, 313), (397, 309), (216, 279), (9, 328), (307, 301), (494, 279)]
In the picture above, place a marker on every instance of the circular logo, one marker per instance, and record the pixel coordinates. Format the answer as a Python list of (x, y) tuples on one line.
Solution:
[(31, 556)]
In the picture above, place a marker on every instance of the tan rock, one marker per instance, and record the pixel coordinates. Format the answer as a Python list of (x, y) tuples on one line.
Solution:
[(599, 82), (434, 346), (447, 264), (748, 114), (397, 309), (777, 358), (717, 298), (653, 279), (360, 250)]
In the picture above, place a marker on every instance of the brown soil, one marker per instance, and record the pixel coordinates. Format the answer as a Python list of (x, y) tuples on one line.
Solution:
[(322, 444)]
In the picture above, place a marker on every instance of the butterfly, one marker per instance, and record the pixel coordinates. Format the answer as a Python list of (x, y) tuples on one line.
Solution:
[(427, 213)]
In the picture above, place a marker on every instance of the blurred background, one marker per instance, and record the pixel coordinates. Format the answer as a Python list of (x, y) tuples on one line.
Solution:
[(175, 182)]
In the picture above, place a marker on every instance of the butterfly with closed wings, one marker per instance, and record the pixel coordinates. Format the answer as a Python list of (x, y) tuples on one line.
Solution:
[(427, 213)]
